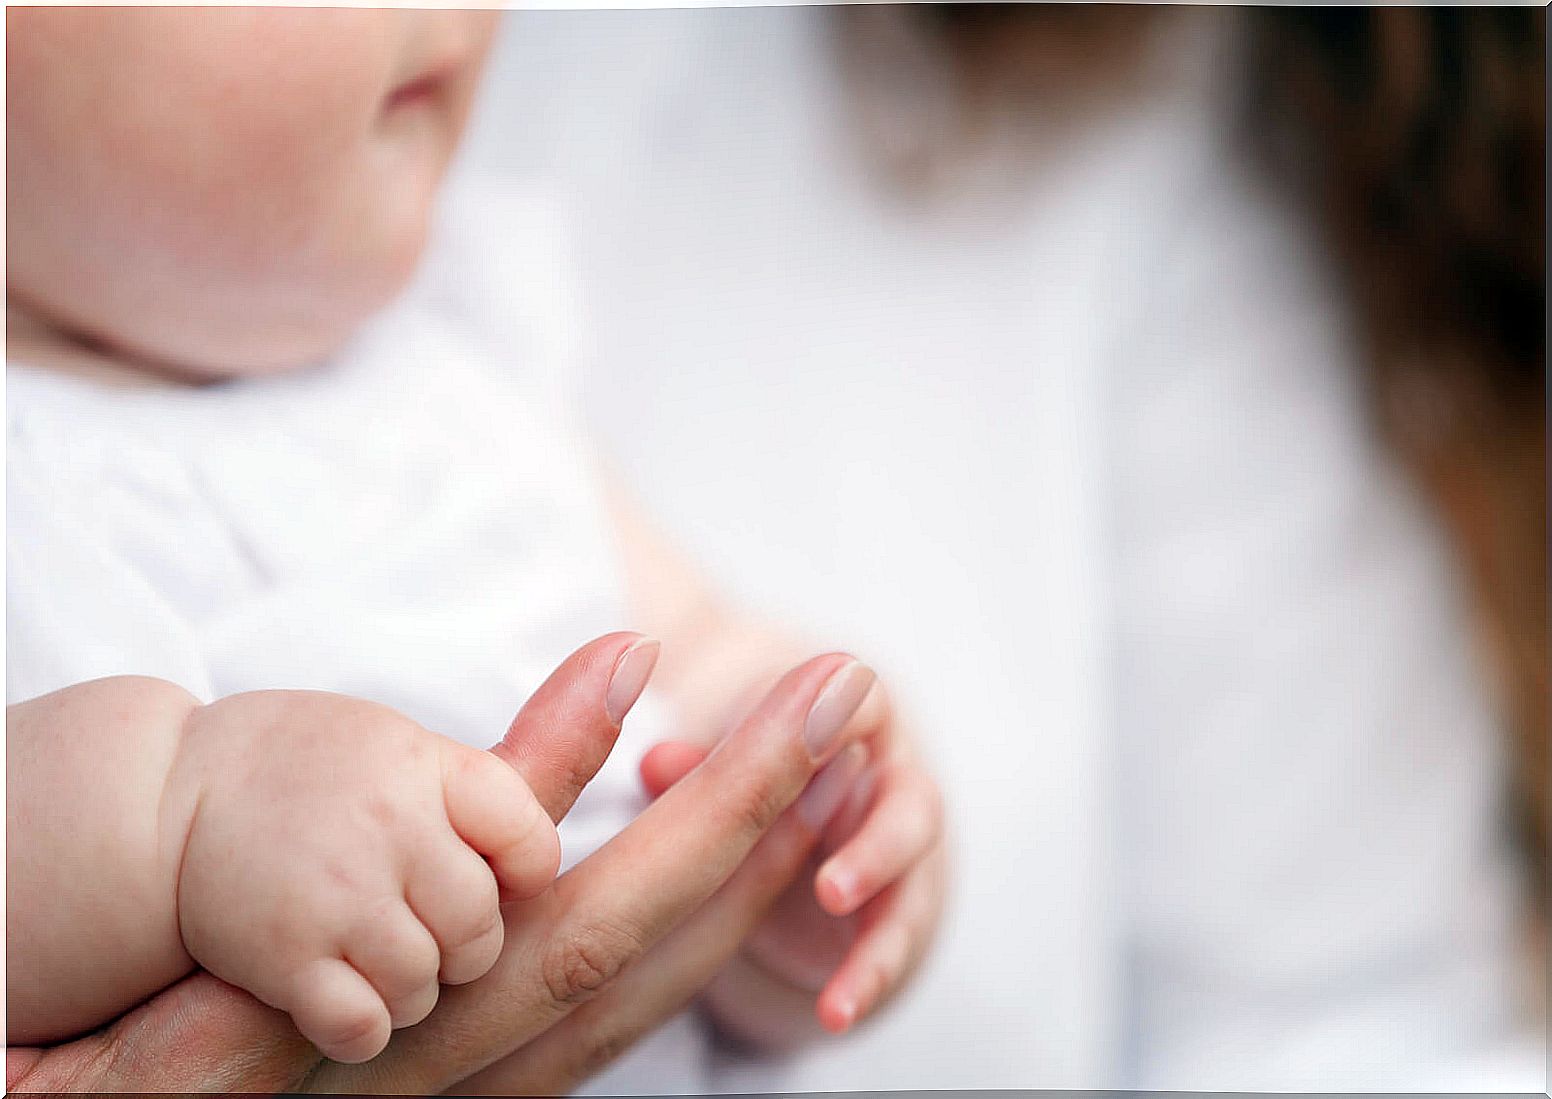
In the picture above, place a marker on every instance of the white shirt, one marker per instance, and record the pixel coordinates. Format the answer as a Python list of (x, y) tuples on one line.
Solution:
[(1079, 462), (414, 522)]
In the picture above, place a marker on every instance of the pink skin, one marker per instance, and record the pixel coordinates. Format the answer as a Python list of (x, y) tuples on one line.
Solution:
[(197, 194), (857, 931), (219, 191), (723, 843)]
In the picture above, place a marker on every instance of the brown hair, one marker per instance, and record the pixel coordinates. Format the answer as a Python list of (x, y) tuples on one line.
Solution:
[(1418, 137), (1424, 132)]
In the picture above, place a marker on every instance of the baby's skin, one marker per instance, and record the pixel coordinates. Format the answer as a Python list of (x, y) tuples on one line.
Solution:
[(177, 215), (326, 854)]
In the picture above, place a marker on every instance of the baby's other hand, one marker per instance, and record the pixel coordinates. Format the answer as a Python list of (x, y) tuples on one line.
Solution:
[(853, 933), (343, 861)]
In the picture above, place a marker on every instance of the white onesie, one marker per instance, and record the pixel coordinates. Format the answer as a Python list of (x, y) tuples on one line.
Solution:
[(415, 522)]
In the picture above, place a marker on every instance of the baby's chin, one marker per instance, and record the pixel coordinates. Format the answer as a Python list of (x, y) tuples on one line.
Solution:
[(225, 357), (195, 351)]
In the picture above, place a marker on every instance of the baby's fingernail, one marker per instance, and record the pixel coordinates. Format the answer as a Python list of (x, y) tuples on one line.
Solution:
[(828, 789), (836, 703), (631, 672)]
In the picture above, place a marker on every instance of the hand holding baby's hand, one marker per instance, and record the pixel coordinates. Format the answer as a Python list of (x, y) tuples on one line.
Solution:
[(366, 857), (855, 931)]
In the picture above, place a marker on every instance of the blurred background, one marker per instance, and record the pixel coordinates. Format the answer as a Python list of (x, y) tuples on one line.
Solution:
[(1156, 396)]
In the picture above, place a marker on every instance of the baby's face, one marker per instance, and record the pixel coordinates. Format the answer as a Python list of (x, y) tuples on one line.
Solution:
[(226, 190)]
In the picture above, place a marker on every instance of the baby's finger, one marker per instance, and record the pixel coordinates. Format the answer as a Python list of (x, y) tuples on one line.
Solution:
[(452, 891), (906, 819), (566, 730), (398, 956), (338, 1010), (897, 926), (492, 808), (590, 932), (667, 763)]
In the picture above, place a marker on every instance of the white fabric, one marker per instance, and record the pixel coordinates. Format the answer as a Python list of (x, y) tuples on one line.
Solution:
[(1321, 891), (1081, 466), (415, 523)]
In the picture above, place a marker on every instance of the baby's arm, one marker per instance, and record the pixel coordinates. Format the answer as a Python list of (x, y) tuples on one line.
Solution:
[(326, 854), (92, 853)]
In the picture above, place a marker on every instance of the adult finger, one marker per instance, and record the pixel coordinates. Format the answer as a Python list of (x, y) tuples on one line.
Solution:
[(667, 762), (563, 734), (799, 942), (896, 928), (568, 944), (203, 1035), (902, 825), (759, 1011), (673, 972), (200, 1035)]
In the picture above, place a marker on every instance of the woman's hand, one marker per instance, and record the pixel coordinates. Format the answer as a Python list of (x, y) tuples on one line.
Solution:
[(565, 994), (855, 924)]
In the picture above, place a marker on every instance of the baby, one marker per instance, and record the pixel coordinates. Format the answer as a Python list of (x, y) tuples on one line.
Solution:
[(232, 468), (328, 855)]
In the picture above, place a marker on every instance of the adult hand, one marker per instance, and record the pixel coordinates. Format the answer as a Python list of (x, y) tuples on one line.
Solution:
[(562, 950), (858, 918)]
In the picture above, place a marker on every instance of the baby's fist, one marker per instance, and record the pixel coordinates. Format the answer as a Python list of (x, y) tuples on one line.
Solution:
[(344, 861)]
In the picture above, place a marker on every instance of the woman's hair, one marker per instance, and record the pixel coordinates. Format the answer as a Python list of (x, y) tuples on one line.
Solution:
[(1424, 135), (1417, 137)]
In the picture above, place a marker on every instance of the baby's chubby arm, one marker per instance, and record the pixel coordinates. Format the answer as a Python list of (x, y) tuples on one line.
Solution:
[(92, 853), (326, 854)]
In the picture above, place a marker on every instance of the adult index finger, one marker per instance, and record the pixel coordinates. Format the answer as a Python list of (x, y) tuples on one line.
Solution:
[(564, 947)]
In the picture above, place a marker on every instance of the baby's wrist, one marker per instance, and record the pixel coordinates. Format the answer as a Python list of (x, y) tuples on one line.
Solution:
[(186, 783)]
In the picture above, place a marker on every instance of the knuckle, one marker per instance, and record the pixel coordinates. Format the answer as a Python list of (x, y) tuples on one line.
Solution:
[(470, 927), (575, 774), (752, 812), (416, 961), (476, 765), (581, 962), (464, 779), (471, 961)]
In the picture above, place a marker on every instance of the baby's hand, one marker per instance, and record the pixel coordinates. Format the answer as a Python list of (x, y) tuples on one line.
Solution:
[(854, 932), (342, 860)]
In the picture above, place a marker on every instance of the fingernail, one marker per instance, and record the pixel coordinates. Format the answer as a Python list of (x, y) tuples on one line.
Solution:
[(836, 703), (848, 1014), (828, 789), (842, 885), (631, 673)]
